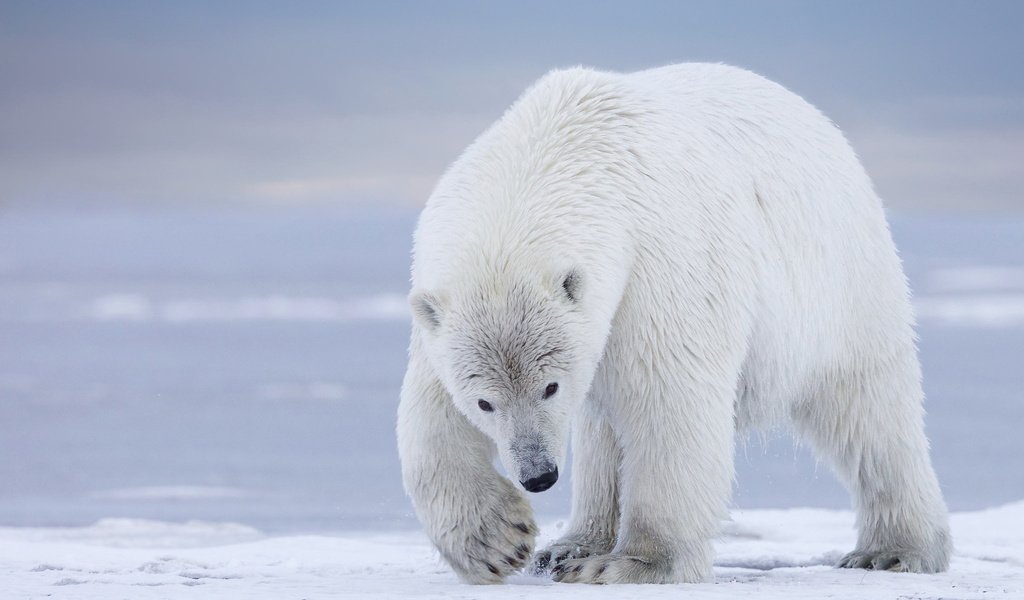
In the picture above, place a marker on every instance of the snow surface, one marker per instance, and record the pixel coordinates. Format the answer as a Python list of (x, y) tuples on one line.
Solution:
[(765, 554)]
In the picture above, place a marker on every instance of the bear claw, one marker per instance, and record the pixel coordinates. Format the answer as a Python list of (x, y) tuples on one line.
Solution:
[(611, 568), (900, 562), (567, 548), (498, 545)]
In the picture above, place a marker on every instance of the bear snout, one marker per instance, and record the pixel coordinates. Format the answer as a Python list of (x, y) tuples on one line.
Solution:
[(541, 482)]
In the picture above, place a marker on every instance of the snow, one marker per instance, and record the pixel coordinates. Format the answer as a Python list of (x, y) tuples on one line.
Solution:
[(983, 296), (973, 310), (765, 554)]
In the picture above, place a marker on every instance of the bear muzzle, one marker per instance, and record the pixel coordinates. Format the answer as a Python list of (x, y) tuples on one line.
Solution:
[(541, 482)]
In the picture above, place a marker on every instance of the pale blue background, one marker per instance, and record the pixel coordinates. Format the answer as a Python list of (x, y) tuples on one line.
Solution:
[(343, 103)]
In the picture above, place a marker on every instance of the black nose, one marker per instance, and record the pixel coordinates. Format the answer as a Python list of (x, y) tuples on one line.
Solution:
[(541, 483)]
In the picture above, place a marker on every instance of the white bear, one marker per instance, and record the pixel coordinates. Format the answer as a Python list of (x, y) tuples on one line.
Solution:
[(663, 259)]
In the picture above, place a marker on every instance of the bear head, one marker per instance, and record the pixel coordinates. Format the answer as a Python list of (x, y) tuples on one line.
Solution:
[(509, 350)]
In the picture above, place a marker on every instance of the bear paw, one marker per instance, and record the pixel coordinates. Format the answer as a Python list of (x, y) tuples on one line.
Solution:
[(902, 561), (567, 548), (612, 568), (498, 544)]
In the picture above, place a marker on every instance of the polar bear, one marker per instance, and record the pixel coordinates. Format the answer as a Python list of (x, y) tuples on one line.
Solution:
[(663, 259)]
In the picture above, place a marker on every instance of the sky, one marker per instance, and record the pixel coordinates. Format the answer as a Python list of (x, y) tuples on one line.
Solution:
[(358, 105)]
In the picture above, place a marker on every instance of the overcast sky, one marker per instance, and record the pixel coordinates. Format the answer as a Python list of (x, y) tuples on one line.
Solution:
[(363, 104)]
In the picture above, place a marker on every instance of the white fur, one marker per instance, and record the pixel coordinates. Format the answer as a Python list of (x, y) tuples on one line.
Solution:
[(730, 266)]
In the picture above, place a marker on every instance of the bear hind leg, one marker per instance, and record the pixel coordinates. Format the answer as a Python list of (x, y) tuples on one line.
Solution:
[(870, 426)]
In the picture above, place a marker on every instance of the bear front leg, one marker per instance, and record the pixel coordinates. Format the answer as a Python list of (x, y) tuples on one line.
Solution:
[(595, 507), (675, 481), (479, 522)]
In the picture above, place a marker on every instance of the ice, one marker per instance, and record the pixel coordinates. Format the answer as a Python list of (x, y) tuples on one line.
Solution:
[(136, 307), (973, 310)]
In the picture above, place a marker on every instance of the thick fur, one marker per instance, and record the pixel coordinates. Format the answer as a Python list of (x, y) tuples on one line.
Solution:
[(685, 252)]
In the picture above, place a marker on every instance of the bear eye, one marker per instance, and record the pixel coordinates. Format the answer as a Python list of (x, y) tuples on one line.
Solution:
[(550, 390), (485, 406)]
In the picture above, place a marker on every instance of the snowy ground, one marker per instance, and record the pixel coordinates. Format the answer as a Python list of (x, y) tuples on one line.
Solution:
[(765, 554), (243, 367)]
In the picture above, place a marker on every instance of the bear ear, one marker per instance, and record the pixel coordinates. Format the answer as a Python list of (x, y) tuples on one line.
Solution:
[(572, 285), (426, 309)]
